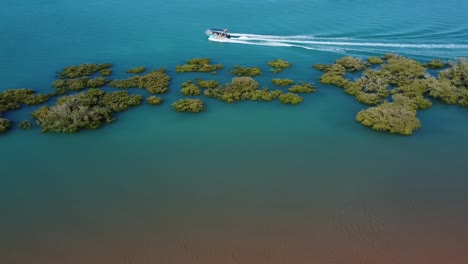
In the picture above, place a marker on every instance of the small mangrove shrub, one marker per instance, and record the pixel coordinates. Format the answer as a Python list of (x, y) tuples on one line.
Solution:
[(434, 64), (278, 65), (352, 64), (82, 70), (198, 65), (154, 100), (208, 84), (245, 71), (290, 98), (375, 60), (89, 109), (282, 82), (26, 125), (390, 117), (190, 89), (302, 88), (188, 105), (155, 82), (12, 99), (105, 72), (323, 67), (5, 124), (137, 70)]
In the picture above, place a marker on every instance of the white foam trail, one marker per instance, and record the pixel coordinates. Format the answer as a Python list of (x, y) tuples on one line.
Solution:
[(307, 39), (347, 45), (364, 44), (294, 37), (272, 44)]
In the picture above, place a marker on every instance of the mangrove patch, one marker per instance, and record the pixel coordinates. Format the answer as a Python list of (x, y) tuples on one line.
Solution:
[(188, 105), (13, 98), (190, 89), (278, 65), (246, 71), (89, 109), (242, 88), (302, 88), (394, 88), (282, 82), (290, 98), (78, 84), (26, 125), (208, 84), (5, 124), (137, 70), (82, 70), (398, 88), (155, 82), (199, 65), (154, 100)]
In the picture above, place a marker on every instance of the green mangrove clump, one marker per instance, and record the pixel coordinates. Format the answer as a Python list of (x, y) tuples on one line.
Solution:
[(189, 89), (451, 86), (78, 84), (97, 82), (26, 125), (408, 84), (282, 82), (434, 64), (5, 124), (89, 109), (290, 98), (370, 89), (13, 98), (374, 60), (463, 93), (302, 88), (392, 117), (198, 65), (388, 56), (82, 70), (71, 84), (278, 65), (352, 64), (188, 105), (401, 71), (137, 70), (105, 72), (416, 102), (457, 73), (155, 82), (119, 101), (335, 76), (443, 90), (323, 67), (245, 71), (208, 84), (242, 88), (412, 95), (264, 94), (154, 100)]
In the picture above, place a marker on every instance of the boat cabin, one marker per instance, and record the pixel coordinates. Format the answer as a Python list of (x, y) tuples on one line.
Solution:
[(222, 33)]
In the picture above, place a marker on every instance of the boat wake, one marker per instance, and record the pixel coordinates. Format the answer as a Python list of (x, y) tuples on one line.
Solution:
[(348, 45)]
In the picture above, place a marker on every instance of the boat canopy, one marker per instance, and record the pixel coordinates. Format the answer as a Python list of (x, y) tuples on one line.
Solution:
[(219, 30)]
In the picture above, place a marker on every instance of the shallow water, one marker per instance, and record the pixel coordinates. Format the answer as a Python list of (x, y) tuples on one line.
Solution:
[(243, 183)]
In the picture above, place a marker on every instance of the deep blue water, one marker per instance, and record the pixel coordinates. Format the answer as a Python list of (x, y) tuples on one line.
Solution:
[(242, 183)]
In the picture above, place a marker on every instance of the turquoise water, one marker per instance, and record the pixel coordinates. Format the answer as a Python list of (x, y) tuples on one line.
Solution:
[(244, 183)]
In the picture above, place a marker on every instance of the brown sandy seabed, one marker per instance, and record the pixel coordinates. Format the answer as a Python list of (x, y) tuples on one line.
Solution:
[(351, 236)]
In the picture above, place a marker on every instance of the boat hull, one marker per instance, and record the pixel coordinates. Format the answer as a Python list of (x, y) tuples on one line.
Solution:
[(217, 34)]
